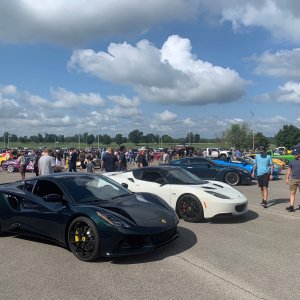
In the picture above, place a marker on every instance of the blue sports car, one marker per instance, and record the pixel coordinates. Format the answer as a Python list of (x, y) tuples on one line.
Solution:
[(248, 165)]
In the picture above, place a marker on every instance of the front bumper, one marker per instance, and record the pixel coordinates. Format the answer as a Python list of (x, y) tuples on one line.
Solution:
[(137, 243)]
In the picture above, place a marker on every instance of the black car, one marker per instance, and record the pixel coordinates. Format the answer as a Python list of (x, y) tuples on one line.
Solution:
[(90, 214), (206, 168)]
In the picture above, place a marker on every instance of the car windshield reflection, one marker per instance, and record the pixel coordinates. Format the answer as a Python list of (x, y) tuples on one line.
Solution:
[(181, 176), (90, 189)]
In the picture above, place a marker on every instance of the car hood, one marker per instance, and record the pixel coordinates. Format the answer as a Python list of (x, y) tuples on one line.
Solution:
[(222, 188), (138, 209)]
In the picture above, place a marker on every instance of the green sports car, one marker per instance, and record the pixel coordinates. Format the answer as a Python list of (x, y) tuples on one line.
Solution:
[(90, 214)]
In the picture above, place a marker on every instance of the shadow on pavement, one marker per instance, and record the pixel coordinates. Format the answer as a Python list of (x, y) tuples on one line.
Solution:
[(249, 216), (278, 201), (186, 240)]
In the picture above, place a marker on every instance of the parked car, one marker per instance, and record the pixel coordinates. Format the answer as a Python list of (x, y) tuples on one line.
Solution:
[(12, 165), (206, 168), (248, 164), (193, 198), (276, 160), (91, 215)]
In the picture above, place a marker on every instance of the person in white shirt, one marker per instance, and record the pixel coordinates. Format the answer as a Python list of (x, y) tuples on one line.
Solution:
[(46, 163)]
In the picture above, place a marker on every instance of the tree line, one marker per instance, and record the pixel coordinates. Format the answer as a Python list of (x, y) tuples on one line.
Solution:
[(238, 135)]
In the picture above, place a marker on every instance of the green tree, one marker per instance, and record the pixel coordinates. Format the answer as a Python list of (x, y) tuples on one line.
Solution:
[(119, 139), (288, 136), (135, 136), (261, 140), (150, 138), (106, 139), (238, 136), (166, 139), (90, 139), (197, 138)]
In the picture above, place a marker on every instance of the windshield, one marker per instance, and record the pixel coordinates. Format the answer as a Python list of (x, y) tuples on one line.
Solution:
[(181, 176), (85, 189)]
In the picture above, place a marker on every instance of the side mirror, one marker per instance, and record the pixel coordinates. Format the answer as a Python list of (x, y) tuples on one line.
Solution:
[(54, 198), (161, 181), (125, 185)]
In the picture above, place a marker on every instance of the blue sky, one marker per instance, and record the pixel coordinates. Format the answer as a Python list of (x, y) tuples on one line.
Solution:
[(160, 66)]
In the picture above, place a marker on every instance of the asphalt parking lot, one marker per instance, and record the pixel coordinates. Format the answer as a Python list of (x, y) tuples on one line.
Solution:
[(252, 257)]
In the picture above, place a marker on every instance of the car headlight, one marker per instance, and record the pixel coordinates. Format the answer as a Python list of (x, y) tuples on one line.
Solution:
[(112, 220), (218, 195)]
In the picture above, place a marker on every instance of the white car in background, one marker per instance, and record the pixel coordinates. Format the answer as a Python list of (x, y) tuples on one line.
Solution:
[(193, 199)]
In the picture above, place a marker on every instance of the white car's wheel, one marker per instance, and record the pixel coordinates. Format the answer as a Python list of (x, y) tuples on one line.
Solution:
[(190, 209)]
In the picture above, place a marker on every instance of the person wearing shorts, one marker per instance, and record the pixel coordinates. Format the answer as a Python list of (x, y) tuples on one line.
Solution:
[(293, 180), (265, 168)]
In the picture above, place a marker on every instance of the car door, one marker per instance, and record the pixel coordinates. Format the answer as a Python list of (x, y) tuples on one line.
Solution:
[(205, 170), (39, 216), (152, 181)]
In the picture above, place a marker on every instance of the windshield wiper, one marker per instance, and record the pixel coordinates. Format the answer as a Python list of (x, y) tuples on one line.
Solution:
[(120, 196)]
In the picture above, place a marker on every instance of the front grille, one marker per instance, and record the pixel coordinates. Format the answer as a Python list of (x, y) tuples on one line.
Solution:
[(136, 241), (163, 237), (240, 208)]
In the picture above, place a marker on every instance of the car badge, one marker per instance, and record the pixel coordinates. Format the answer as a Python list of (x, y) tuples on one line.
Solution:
[(163, 221)]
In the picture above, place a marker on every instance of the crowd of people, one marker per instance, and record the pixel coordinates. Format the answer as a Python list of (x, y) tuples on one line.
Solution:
[(50, 161)]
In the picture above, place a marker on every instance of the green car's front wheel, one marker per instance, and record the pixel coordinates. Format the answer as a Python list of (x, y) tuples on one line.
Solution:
[(83, 239)]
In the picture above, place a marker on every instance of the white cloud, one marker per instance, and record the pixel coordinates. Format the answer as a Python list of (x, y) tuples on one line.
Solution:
[(125, 102), (74, 22), (63, 99), (280, 18), (168, 75), (8, 90), (189, 122), (166, 116), (288, 93), (282, 64)]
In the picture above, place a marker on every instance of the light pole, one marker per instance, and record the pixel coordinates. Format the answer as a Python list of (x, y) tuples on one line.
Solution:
[(252, 129)]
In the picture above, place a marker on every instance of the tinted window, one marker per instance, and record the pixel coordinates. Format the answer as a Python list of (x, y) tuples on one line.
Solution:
[(29, 184), (93, 188), (150, 176), (181, 176), (46, 187)]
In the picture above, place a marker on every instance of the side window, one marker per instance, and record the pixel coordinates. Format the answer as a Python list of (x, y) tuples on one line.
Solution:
[(150, 176), (29, 184), (45, 187), (137, 173)]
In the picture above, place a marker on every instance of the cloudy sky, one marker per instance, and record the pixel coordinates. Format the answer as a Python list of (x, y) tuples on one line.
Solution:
[(160, 66)]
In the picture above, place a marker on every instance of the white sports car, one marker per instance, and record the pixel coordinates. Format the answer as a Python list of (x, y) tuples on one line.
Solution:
[(193, 199)]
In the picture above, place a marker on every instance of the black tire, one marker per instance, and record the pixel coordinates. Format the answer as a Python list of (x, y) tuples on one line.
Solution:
[(190, 209), (83, 239), (232, 178), (223, 157), (10, 168)]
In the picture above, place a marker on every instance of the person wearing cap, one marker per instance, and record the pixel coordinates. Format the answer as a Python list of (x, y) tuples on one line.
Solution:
[(265, 168), (293, 179)]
